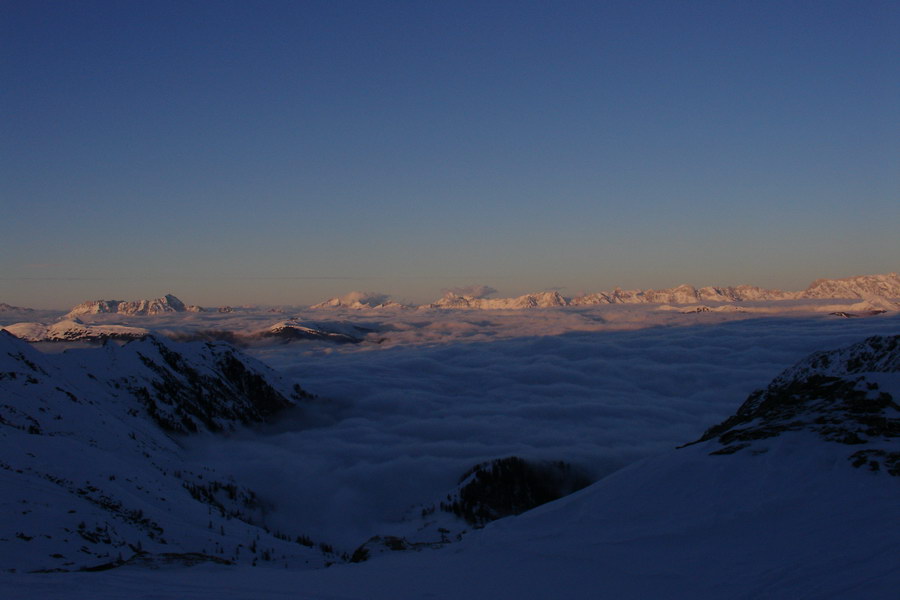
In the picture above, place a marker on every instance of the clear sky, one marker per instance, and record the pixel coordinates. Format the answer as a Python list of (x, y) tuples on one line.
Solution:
[(284, 152)]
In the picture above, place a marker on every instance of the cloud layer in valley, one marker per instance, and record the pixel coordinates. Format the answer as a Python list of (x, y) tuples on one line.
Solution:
[(396, 427)]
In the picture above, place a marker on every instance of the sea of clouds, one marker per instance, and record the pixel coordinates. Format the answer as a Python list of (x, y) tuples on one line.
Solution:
[(396, 425)]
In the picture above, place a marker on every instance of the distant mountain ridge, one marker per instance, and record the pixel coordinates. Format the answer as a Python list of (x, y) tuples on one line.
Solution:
[(884, 286), (359, 300), (535, 300), (166, 304), (4, 307)]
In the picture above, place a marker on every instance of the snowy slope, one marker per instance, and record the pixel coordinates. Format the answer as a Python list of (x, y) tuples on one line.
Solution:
[(796, 496), (73, 330), (91, 468)]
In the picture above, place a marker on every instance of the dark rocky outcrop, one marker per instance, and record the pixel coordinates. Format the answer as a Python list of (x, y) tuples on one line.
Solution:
[(293, 330), (510, 486), (214, 389)]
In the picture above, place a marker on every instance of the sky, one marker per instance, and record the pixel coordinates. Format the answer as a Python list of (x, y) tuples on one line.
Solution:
[(284, 152)]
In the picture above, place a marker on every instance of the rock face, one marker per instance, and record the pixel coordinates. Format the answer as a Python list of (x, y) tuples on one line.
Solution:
[(510, 486), (861, 286), (536, 300), (845, 396), (166, 304), (92, 468), (215, 388), (183, 388), (488, 491), (684, 294)]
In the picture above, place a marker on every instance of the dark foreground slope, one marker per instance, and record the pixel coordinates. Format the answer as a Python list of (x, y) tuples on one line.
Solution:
[(787, 511), (91, 470)]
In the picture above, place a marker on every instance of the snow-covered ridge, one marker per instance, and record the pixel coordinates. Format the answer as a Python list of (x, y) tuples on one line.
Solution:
[(73, 330), (685, 294), (91, 465), (183, 387), (536, 300), (879, 289), (861, 286), (877, 354), (167, 303), (4, 307), (845, 396), (359, 301)]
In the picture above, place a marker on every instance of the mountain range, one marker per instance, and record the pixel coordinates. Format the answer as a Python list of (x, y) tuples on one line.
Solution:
[(885, 286)]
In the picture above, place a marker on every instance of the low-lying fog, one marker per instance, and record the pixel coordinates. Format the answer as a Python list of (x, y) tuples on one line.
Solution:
[(394, 427)]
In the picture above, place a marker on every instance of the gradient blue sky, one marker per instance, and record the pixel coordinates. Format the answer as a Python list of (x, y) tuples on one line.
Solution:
[(284, 152)]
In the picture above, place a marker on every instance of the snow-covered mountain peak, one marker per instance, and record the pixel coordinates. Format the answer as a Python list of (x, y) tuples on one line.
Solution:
[(340, 332), (861, 286), (359, 301), (166, 304)]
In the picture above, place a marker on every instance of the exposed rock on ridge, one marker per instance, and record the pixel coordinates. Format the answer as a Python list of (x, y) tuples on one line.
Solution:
[(510, 486), (214, 390), (536, 300), (843, 396), (96, 479), (294, 329), (861, 286), (684, 294), (166, 304)]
